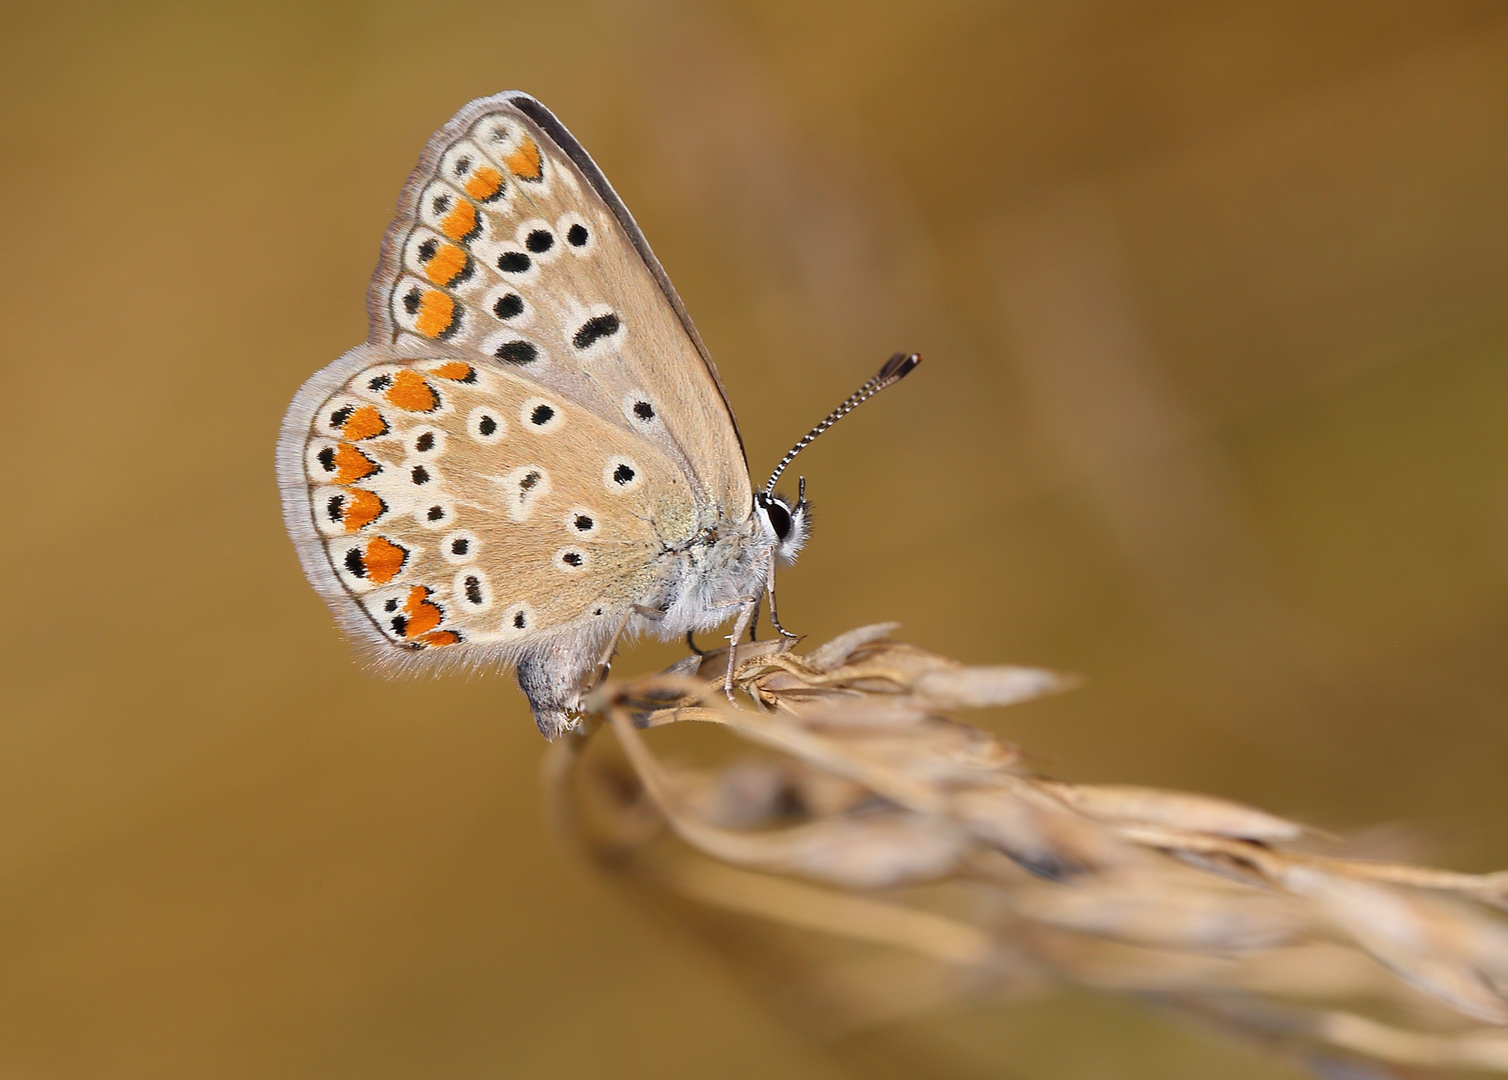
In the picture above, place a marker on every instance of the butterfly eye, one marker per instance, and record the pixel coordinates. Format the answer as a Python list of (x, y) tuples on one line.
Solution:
[(780, 518)]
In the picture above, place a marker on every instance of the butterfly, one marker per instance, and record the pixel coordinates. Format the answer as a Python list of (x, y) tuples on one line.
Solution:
[(532, 454)]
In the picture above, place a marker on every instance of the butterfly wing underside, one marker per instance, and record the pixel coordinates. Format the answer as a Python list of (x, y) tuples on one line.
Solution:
[(532, 420)]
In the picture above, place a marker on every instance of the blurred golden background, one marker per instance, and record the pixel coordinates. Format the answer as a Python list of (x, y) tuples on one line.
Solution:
[(1214, 299)]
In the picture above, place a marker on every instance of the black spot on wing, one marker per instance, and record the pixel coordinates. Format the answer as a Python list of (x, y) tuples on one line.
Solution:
[(595, 329), (516, 352)]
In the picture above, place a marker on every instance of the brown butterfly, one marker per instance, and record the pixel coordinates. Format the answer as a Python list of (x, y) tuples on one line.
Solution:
[(532, 454)]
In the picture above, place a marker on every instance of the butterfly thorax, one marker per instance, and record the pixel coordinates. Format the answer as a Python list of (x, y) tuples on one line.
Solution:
[(712, 576)]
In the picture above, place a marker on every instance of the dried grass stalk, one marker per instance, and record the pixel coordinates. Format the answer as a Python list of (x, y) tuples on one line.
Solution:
[(863, 813)]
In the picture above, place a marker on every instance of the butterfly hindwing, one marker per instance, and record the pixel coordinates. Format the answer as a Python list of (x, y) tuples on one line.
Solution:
[(462, 504)]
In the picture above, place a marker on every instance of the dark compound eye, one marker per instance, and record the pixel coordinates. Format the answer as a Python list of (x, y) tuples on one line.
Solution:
[(540, 241), (460, 547), (541, 415), (576, 234), (583, 523), (513, 262), (435, 513), (780, 519), (508, 307), (644, 410), (517, 352), (623, 474)]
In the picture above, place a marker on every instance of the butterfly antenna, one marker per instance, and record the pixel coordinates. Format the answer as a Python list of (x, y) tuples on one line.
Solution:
[(895, 369)]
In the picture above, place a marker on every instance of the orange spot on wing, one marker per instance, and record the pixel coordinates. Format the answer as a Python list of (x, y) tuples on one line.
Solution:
[(365, 423), (352, 465), (360, 509), (484, 183), (524, 162), (409, 391), (383, 559), (460, 222), (446, 265), (437, 313), (441, 638), (423, 616), (454, 369)]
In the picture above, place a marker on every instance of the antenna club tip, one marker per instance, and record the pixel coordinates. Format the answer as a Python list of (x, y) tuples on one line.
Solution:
[(900, 365)]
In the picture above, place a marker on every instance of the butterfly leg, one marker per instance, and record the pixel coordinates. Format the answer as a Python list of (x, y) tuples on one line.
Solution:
[(605, 659), (775, 618), (745, 617)]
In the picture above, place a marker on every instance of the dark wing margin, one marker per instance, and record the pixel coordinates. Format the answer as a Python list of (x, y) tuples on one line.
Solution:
[(390, 260)]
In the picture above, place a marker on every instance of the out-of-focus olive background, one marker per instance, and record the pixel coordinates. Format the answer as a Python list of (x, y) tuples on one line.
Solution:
[(1214, 299)]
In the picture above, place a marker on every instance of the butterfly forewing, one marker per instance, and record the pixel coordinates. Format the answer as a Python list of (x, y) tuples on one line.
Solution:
[(511, 249)]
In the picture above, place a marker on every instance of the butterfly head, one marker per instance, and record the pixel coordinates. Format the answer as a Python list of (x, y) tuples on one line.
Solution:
[(785, 523)]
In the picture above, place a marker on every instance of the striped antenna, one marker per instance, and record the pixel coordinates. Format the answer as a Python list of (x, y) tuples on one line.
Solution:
[(895, 369)]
